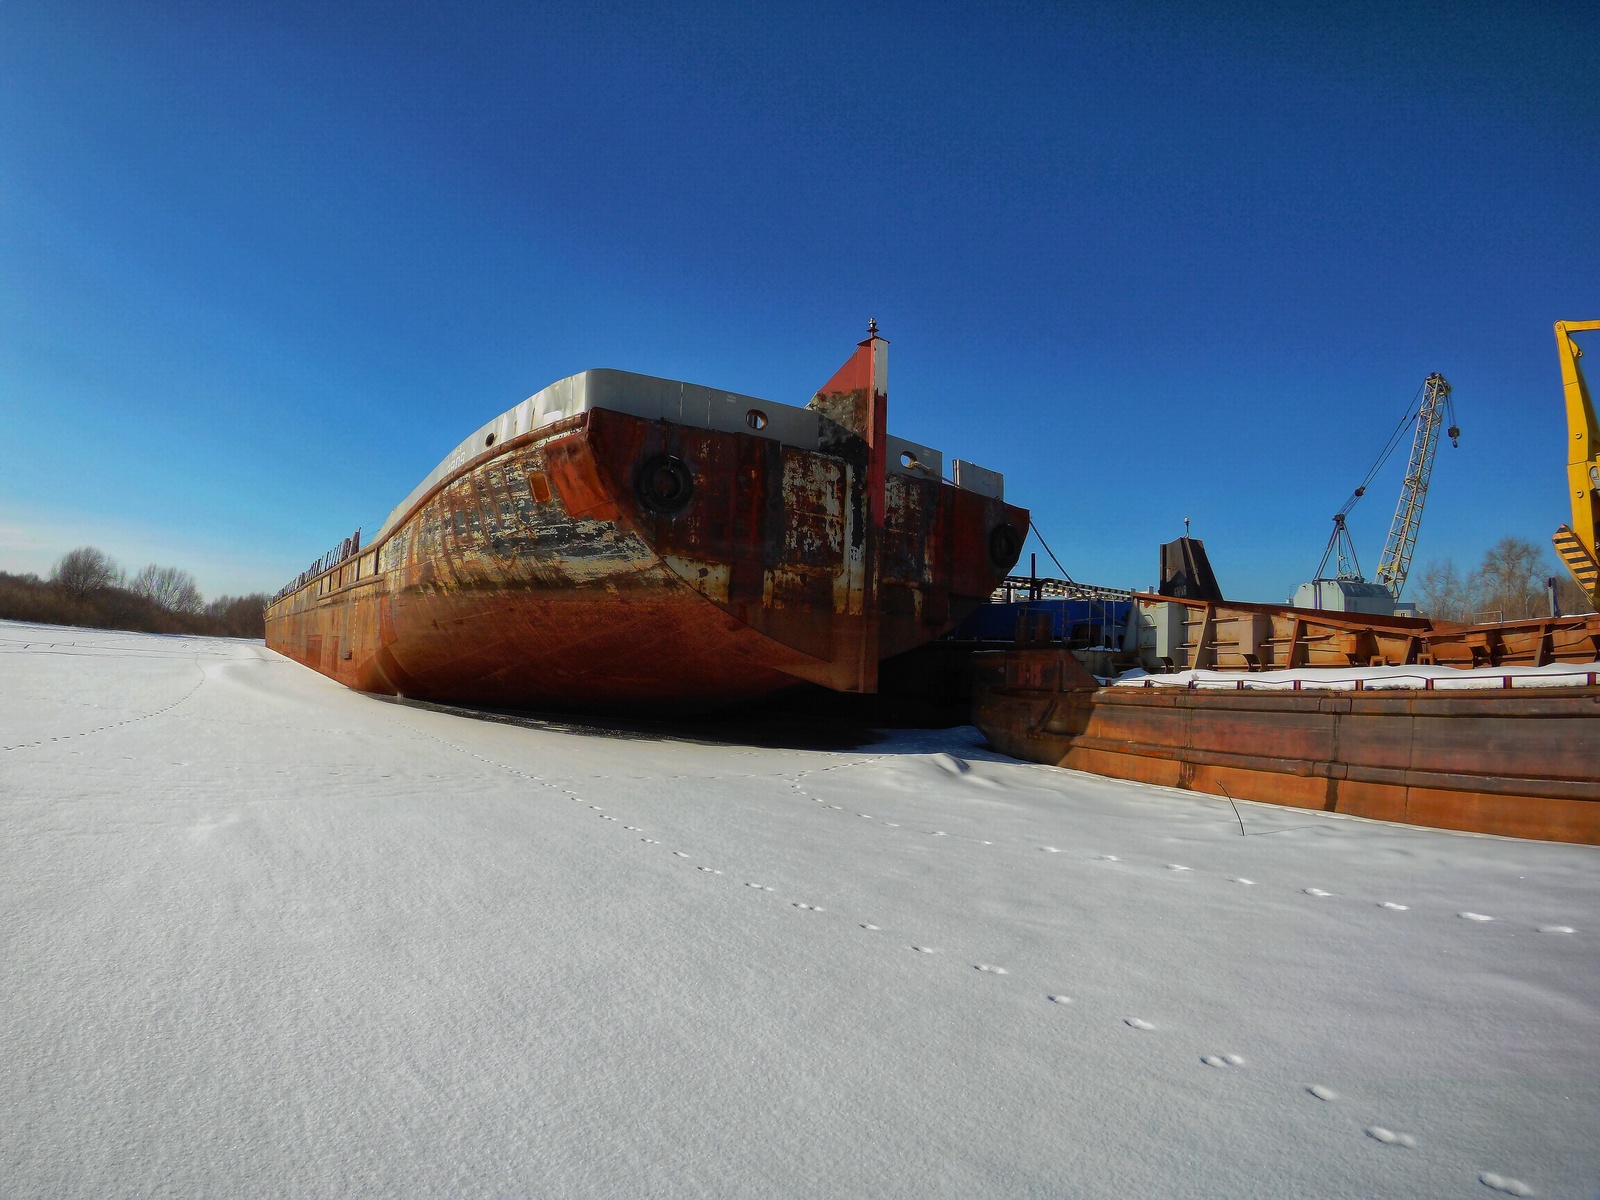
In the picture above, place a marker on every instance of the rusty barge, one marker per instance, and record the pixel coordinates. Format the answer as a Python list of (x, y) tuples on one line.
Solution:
[(623, 542)]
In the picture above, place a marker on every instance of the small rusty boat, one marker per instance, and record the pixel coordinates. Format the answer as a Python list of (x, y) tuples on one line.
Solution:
[(623, 542)]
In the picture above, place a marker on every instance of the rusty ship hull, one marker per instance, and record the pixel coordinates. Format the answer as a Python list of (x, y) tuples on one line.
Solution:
[(620, 542), (1517, 761)]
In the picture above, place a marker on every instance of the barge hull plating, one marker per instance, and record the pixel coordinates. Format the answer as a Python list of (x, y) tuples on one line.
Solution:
[(608, 560), (1516, 762)]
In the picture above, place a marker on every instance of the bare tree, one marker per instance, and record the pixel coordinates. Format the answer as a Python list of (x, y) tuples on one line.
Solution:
[(169, 588), (239, 616), (1511, 580), (1441, 593), (84, 571), (1571, 597)]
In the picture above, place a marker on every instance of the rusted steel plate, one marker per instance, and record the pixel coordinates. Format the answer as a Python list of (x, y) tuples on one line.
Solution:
[(612, 561), (1233, 635), (1518, 762)]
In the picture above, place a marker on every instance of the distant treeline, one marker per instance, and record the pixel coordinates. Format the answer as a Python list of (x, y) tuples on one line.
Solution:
[(1511, 584), (87, 587)]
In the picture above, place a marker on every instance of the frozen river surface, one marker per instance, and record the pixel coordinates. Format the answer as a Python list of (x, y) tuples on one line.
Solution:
[(260, 935)]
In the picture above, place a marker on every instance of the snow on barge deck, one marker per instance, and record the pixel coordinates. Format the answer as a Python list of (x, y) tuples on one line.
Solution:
[(1505, 750), (619, 541)]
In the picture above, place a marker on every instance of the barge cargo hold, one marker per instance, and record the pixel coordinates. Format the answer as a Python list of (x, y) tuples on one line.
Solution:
[(619, 541), (1516, 760)]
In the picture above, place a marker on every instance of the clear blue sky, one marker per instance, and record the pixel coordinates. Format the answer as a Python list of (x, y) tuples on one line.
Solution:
[(261, 266)]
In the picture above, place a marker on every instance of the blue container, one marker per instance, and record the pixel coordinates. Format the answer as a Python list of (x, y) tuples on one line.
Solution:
[(1076, 623)]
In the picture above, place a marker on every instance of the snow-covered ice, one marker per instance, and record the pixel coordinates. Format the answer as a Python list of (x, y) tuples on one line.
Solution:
[(261, 935)]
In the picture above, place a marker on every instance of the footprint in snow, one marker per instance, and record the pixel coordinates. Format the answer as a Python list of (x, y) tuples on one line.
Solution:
[(1137, 1023), (651, 841), (869, 925), (1051, 849), (711, 870), (1472, 916), (1392, 906), (1223, 1060), (1176, 867), (1557, 929), (760, 887), (1241, 879), (1389, 1137), (1058, 999), (635, 828), (1322, 1093), (990, 969), (809, 907), (1315, 892), (1502, 1183), (924, 949), (892, 824)]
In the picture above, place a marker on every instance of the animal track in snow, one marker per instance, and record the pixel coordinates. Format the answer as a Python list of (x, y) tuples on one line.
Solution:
[(1389, 1137), (1241, 879), (1223, 1060), (652, 841), (1390, 904), (1472, 916), (809, 907), (868, 925), (1108, 858), (892, 824), (1557, 929), (760, 887), (679, 854), (711, 870), (990, 968), (1059, 999), (1050, 849), (1176, 867), (1500, 1183), (1137, 1023), (924, 949), (1322, 1093), (1315, 892), (635, 828)]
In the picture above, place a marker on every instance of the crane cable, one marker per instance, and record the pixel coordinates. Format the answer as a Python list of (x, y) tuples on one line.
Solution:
[(1387, 452), (1034, 529)]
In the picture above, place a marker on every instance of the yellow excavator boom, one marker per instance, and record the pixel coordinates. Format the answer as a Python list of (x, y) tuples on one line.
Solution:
[(1577, 544)]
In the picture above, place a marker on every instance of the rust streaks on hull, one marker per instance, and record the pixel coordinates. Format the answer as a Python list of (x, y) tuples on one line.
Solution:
[(608, 560), (1518, 762)]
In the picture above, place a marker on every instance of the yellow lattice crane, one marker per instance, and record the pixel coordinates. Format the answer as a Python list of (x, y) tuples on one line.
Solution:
[(1577, 544)]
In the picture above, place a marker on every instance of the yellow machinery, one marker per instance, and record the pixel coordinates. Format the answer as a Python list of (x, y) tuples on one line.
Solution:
[(1577, 544)]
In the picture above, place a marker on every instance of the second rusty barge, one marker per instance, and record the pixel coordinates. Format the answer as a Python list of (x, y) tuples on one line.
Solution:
[(620, 541)]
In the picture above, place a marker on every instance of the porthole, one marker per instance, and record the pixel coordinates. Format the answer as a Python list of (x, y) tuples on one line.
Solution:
[(488, 441), (756, 419), (1005, 545), (664, 484)]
